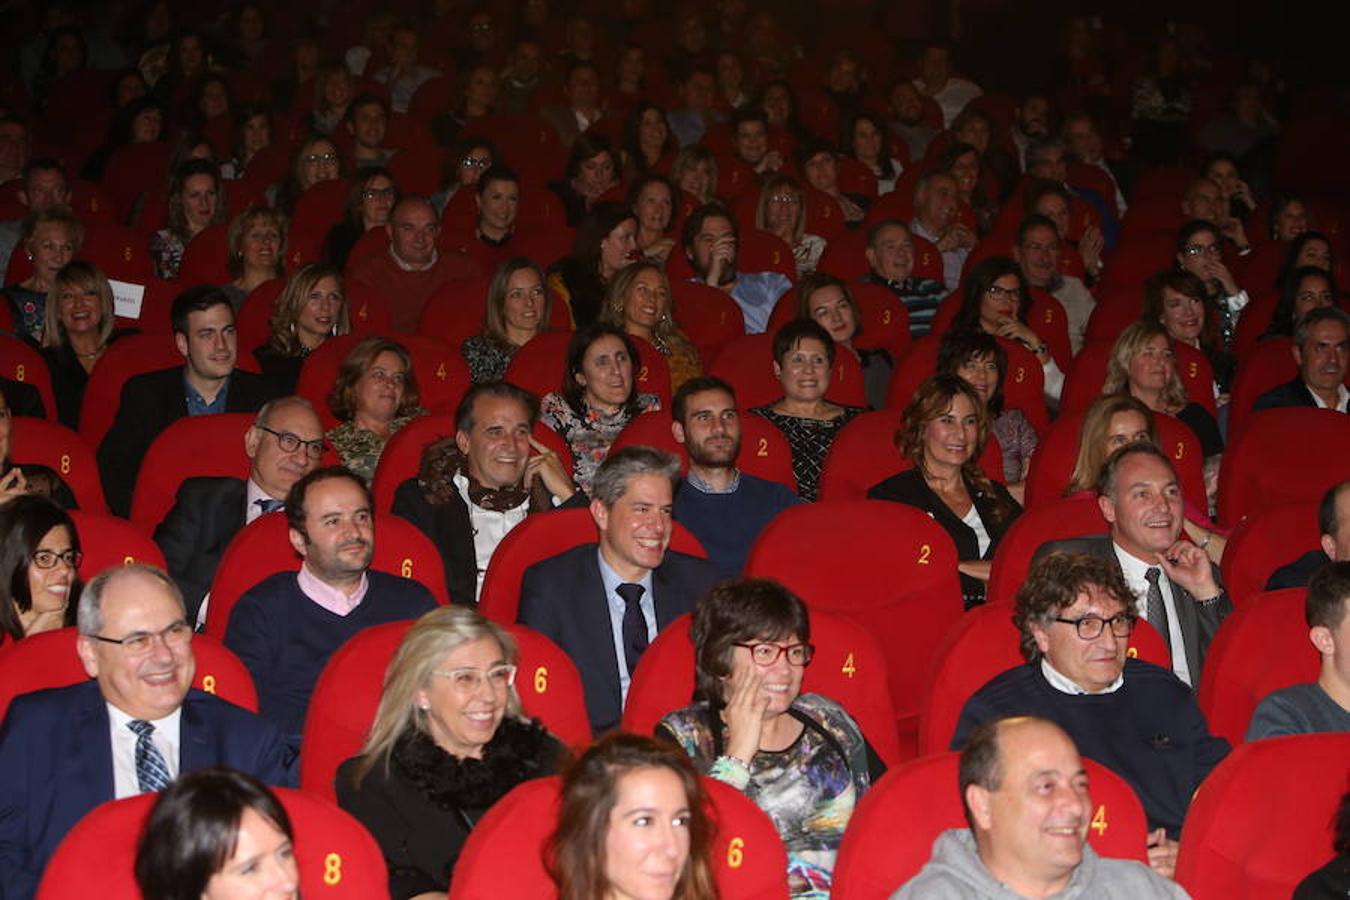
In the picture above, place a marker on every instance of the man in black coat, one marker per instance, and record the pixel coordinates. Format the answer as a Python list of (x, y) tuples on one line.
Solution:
[(285, 443), (203, 329), (22, 399), (1322, 351), (1333, 519)]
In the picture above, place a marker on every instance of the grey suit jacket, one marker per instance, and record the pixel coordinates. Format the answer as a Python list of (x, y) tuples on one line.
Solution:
[(1198, 623)]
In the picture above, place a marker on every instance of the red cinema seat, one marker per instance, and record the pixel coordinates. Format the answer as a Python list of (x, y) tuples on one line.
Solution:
[(263, 548), (707, 316), (122, 253), (1270, 364), (653, 372), (1084, 379), (206, 257), (192, 446), (1023, 386), (983, 644), (747, 365), (20, 361), (1257, 465), (848, 667), (347, 696), (155, 313), (885, 320), (1262, 543), (540, 365), (764, 451), (1261, 647), (455, 311), (760, 251), (133, 170), (1050, 521), (367, 312), (1052, 465), (863, 454), (317, 210), (817, 550), (337, 857), (845, 257), (890, 837), (1046, 317), (440, 372), (108, 541), (1264, 817), (538, 538), (132, 355), (65, 453), (253, 323), (748, 856), (652, 429), (49, 660)]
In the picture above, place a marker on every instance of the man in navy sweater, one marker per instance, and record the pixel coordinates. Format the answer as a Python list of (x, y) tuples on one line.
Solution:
[(725, 508), (1075, 613), (286, 627)]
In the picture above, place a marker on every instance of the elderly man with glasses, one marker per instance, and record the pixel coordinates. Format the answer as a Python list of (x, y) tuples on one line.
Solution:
[(134, 727), (1075, 613)]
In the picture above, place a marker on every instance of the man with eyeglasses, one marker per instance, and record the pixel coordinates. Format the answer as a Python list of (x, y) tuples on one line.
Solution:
[(1076, 613), (604, 604), (286, 627), (284, 444), (207, 383), (134, 727)]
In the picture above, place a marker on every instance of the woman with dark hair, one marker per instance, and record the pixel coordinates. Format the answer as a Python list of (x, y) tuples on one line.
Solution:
[(217, 834), (315, 160), (1223, 170), (252, 134), (599, 396), (370, 200), (140, 121), (1180, 303), (1311, 248), (464, 166), (865, 141), (652, 199), (448, 741), (1200, 252), (780, 107), (943, 432), (639, 302), (374, 396), (334, 90), (827, 301), (477, 95), (781, 211), (996, 302), (311, 309), (210, 100), (962, 162), (980, 359), (801, 757), (257, 251), (64, 54), (39, 562), (633, 823), (79, 327), (196, 200), (647, 145), (51, 239), (592, 169), (1160, 105), (518, 308), (1305, 288), (606, 241), (1289, 216), (803, 354)]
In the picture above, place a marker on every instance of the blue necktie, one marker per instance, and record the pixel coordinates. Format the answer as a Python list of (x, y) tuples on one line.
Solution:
[(634, 623), (267, 504), (152, 773)]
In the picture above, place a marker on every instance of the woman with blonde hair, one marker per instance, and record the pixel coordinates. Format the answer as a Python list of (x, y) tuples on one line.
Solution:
[(639, 303), (374, 396), (782, 212), (79, 327), (694, 172), (51, 239), (449, 740), (311, 309), (257, 248)]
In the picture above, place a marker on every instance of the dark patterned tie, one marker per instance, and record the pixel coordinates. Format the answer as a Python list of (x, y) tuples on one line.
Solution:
[(267, 505), (634, 624), (152, 773), (1156, 610)]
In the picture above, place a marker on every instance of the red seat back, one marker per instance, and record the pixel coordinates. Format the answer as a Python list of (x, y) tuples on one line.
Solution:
[(1248, 482), (64, 452), (192, 446), (1023, 386), (1049, 521), (132, 355), (20, 361), (707, 316), (539, 366), (1270, 364), (1262, 543), (253, 323), (747, 365), (206, 257), (108, 541)]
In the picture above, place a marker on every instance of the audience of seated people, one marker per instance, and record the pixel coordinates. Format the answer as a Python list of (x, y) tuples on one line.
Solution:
[(552, 130)]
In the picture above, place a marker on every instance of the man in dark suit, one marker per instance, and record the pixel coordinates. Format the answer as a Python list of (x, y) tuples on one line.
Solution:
[(1322, 351), (475, 487), (1176, 588), (605, 603), (285, 443), (1333, 518), (133, 729), (203, 329)]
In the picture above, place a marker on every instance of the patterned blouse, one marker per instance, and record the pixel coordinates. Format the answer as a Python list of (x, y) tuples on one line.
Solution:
[(588, 436), (810, 440), (808, 789), (359, 449), (487, 359), (166, 252), (1017, 440)]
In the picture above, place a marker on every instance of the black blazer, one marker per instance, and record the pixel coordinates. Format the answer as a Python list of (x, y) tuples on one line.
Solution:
[(150, 403), (22, 399), (69, 379), (909, 487), (206, 515), (1198, 623), (563, 598), (1291, 393)]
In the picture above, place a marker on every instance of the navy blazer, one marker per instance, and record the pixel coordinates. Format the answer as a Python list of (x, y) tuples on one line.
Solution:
[(1291, 393), (56, 765), (563, 598), (206, 515)]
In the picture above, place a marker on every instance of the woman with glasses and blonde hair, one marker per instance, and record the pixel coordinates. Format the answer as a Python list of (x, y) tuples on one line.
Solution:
[(800, 757), (79, 327), (311, 309), (639, 303), (782, 213), (39, 562), (448, 741), (518, 308)]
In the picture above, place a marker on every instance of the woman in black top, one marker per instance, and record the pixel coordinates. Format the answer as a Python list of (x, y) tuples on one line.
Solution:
[(79, 327)]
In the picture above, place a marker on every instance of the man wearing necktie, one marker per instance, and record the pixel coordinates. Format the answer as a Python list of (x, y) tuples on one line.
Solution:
[(283, 445), (604, 603), (134, 727)]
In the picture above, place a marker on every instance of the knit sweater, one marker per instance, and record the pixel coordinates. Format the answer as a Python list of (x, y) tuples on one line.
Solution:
[(727, 524)]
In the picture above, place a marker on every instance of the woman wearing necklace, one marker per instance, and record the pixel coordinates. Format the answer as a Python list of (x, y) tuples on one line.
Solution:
[(310, 310), (50, 239), (448, 741), (79, 327)]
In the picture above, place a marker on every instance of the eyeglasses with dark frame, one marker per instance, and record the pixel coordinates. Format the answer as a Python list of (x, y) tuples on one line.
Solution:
[(289, 443), (175, 637), (1090, 628), (47, 559), (766, 654)]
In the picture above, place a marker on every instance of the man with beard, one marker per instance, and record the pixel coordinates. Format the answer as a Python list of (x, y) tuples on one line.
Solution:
[(906, 106), (725, 508), (710, 237), (1031, 121), (286, 627)]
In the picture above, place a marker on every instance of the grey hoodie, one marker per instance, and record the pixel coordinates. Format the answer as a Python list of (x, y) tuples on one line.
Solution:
[(956, 873)]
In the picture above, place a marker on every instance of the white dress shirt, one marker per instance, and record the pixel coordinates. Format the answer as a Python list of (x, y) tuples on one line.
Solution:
[(617, 605), (1135, 571)]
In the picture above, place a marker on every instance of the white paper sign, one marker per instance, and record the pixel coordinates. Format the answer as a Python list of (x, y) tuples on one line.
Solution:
[(127, 298)]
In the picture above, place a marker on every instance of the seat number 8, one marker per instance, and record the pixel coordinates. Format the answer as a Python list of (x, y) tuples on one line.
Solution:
[(332, 869)]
